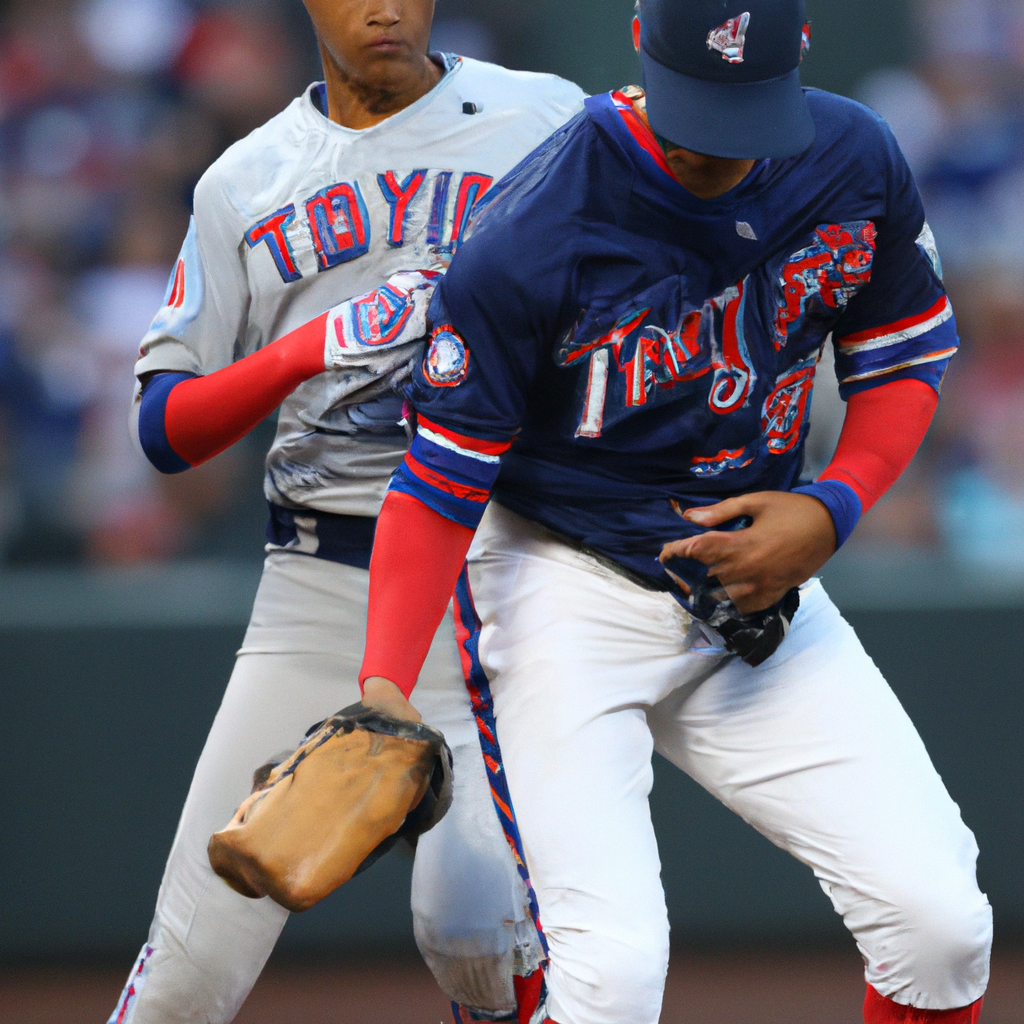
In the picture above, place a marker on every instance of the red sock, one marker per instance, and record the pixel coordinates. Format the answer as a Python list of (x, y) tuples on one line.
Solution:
[(879, 1010), (528, 992)]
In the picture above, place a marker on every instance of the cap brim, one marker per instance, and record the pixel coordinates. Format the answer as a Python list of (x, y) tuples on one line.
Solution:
[(742, 120)]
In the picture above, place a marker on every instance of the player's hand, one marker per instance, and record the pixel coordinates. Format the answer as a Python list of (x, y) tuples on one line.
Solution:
[(790, 539), (381, 321), (384, 695)]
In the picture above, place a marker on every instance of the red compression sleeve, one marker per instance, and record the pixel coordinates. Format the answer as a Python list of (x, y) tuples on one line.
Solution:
[(205, 415), (881, 433), (416, 561)]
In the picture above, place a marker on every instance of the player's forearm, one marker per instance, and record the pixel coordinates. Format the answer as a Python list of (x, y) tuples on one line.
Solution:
[(417, 557), (184, 422), (882, 431), (436, 501)]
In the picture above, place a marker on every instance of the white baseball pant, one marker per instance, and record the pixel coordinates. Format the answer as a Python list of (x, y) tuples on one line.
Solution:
[(298, 664), (590, 674)]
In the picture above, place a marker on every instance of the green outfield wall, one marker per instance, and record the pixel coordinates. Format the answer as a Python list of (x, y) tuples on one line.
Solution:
[(109, 681)]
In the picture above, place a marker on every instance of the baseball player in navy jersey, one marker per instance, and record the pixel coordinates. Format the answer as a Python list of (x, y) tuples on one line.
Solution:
[(621, 362), (375, 170)]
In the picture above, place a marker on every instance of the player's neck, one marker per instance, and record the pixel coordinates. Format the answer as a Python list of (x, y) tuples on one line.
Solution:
[(707, 177), (362, 103)]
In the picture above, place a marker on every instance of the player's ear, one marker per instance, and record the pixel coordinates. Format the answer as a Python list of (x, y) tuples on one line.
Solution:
[(636, 33)]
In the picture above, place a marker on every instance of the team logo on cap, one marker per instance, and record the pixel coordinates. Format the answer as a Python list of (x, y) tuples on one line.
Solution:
[(447, 360), (728, 39)]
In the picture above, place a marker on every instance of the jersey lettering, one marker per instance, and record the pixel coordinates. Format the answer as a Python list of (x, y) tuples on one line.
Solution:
[(273, 231), (675, 355), (734, 371), (592, 420), (636, 391), (662, 358), (713, 465), (339, 223), (183, 299), (439, 210), (831, 270), (638, 369), (447, 227), (714, 340), (471, 189), (785, 408), (572, 350), (177, 299), (398, 196)]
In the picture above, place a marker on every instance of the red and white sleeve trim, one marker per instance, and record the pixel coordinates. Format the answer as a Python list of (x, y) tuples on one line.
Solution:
[(471, 447), (896, 333), (932, 357)]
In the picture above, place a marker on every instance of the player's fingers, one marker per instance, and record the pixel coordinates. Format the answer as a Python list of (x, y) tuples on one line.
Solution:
[(739, 592), (676, 549), (723, 511), (731, 571), (713, 546)]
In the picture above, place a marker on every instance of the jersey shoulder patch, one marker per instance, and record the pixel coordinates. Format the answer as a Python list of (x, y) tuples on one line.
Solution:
[(184, 296)]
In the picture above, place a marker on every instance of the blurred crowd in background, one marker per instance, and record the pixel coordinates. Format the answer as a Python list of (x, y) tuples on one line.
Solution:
[(111, 109)]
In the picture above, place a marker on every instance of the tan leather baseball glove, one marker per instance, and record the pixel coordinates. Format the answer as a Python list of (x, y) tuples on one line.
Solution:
[(359, 782)]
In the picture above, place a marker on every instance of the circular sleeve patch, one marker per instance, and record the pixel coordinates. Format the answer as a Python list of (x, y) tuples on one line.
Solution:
[(447, 360)]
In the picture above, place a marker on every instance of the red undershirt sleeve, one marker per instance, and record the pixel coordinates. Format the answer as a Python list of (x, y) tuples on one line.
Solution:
[(199, 417), (882, 431), (208, 414), (417, 557)]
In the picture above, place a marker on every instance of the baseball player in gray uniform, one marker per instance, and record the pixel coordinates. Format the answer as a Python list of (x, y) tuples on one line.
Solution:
[(373, 171)]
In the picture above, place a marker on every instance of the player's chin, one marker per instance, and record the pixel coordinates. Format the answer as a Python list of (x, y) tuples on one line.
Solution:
[(389, 62), (385, 79)]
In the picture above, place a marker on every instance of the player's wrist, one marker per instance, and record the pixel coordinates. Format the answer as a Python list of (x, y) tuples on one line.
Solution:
[(841, 502), (384, 695)]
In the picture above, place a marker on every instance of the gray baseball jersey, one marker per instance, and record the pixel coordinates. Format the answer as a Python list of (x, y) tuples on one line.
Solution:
[(305, 213)]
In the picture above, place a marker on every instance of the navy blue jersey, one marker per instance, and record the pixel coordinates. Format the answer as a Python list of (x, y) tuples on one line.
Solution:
[(645, 350)]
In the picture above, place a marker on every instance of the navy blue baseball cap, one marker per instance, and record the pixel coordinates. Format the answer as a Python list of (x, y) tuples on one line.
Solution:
[(722, 77)]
